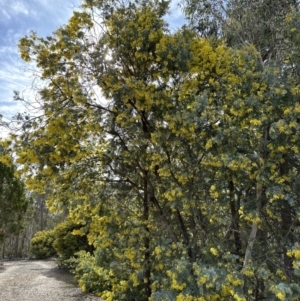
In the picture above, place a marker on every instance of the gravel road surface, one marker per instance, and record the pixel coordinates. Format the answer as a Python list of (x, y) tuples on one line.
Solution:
[(38, 281)]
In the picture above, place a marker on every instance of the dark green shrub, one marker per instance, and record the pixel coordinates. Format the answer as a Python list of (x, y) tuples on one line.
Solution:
[(66, 243), (42, 244)]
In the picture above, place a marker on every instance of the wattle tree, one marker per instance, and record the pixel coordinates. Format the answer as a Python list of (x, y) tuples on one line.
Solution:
[(178, 151)]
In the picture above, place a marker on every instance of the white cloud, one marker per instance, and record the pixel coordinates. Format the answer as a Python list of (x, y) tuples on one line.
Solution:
[(4, 15), (11, 9), (12, 78), (19, 7), (175, 18)]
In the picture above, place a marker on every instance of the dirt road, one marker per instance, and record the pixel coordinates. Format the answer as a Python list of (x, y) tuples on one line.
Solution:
[(38, 281)]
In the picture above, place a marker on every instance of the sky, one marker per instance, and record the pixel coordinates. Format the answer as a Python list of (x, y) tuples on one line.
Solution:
[(17, 19)]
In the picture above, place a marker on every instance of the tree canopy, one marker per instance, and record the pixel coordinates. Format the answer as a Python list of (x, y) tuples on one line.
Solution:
[(13, 202), (178, 151)]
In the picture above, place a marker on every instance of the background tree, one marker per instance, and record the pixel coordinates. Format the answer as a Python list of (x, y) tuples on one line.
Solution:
[(239, 22), (13, 202)]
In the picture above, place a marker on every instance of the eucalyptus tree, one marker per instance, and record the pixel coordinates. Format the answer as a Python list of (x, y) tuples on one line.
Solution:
[(242, 22)]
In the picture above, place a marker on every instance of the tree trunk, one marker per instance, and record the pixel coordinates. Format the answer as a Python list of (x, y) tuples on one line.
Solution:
[(286, 227), (234, 227), (16, 255), (147, 243), (254, 228), (3, 249)]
